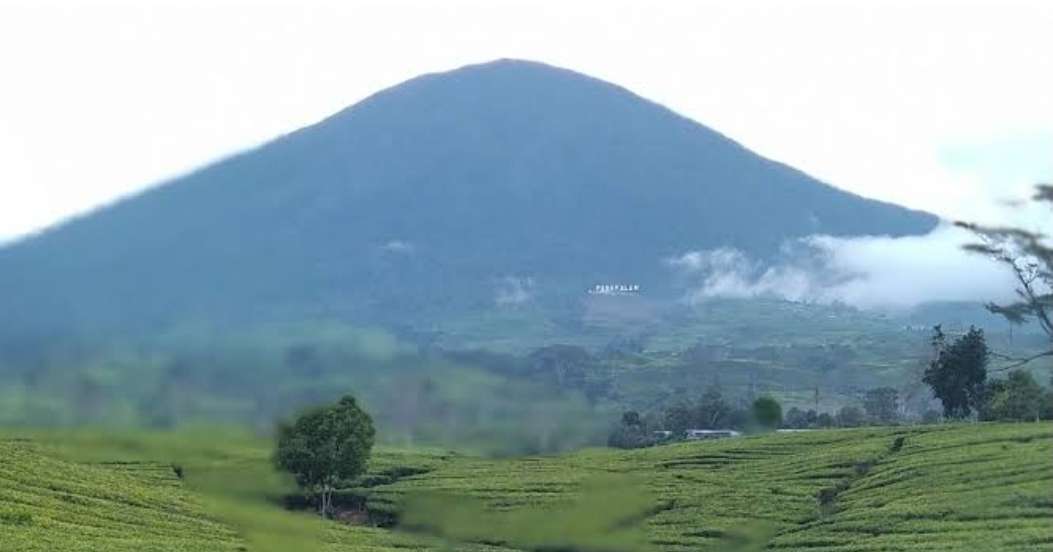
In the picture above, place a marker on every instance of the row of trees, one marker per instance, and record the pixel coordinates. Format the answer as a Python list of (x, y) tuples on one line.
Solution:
[(846, 416), (711, 411), (957, 375)]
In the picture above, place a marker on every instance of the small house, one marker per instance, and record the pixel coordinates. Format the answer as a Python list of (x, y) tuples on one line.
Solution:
[(700, 434)]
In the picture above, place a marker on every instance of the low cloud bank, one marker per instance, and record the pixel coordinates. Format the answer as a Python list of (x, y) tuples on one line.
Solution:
[(867, 272)]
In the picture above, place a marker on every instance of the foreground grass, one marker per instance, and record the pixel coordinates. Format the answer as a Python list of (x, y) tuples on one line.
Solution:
[(958, 487), (964, 487), (51, 504)]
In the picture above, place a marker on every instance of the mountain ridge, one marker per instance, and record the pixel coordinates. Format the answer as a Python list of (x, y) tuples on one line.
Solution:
[(426, 196)]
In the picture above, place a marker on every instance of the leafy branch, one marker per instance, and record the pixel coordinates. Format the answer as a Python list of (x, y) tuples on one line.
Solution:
[(1030, 260)]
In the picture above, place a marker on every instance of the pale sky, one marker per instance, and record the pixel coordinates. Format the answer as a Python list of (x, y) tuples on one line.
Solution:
[(944, 106)]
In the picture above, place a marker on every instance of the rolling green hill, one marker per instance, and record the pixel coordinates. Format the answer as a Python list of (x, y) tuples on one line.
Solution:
[(969, 487), (955, 487), (49, 504)]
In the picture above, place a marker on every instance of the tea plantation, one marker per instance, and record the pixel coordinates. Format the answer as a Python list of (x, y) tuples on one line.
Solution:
[(950, 487), (56, 505)]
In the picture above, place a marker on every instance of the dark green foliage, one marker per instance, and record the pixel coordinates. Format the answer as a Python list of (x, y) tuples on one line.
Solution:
[(631, 418), (850, 416), (1047, 403), (958, 372), (15, 518), (325, 446), (826, 496), (825, 420), (679, 418), (713, 412), (882, 404), (631, 433), (767, 412), (1018, 397), (795, 418)]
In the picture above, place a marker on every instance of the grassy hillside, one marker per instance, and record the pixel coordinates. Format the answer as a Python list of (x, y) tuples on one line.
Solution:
[(100, 491), (958, 487), (969, 487), (49, 504)]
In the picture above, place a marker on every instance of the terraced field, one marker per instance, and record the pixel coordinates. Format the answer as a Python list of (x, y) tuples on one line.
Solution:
[(48, 504), (964, 487), (967, 487)]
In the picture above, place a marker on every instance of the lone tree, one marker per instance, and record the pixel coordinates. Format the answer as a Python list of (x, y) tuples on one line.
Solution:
[(767, 411), (324, 446), (958, 372), (1030, 259)]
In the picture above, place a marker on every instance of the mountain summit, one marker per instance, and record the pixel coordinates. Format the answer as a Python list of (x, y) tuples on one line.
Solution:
[(483, 187)]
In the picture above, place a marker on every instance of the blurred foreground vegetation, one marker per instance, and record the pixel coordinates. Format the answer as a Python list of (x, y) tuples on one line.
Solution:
[(516, 384), (945, 487)]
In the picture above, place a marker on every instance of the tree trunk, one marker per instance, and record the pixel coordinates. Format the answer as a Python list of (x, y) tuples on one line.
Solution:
[(325, 501)]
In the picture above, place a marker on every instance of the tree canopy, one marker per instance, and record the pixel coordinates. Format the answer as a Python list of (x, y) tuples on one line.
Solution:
[(1018, 398), (324, 446), (958, 372), (882, 404), (767, 411)]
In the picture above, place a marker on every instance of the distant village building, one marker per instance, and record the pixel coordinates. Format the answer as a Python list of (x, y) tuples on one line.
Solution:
[(701, 434), (614, 289)]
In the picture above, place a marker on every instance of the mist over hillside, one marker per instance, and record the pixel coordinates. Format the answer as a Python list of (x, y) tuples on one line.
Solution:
[(494, 186)]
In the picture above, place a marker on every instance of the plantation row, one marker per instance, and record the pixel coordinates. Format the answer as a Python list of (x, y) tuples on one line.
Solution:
[(952, 487), (975, 487), (48, 504)]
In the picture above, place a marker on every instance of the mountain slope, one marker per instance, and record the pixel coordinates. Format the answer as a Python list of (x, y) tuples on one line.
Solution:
[(450, 193)]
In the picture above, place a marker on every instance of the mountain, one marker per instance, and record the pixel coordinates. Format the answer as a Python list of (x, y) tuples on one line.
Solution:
[(489, 186)]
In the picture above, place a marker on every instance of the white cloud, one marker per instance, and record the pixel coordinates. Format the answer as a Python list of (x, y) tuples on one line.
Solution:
[(513, 291), (399, 246), (868, 272)]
